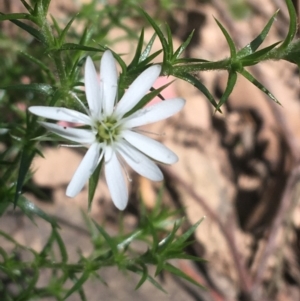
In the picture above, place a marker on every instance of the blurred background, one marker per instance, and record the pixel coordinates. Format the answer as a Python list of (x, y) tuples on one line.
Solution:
[(240, 169)]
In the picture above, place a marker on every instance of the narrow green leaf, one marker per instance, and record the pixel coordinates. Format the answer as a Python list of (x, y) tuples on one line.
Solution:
[(9, 272), (31, 30), (3, 254), (147, 98), (139, 271), (183, 46), (148, 48), (126, 242), (232, 77), (138, 51), (159, 95), (10, 239), (182, 238), (228, 39), (159, 265), (149, 59), (196, 83), (175, 248), (61, 246), (154, 235), (172, 269), (170, 41), (93, 182), (27, 6), (112, 244), (30, 209), (72, 46), (120, 62), (78, 284), (86, 35), (256, 83), (254, 58), (159, 33), (144, 277), (15, 16), (45, 4), (43, 67), (37, 11), (27, 293), (74, 72), (62, 36), (292, 27), (104, 257), (82, 294), (48, 246), (3, 206), (164, 243), (98, 277), (40, 88), (90, 225), (56, 25), (35, 60), (253, 45), (27, 156)]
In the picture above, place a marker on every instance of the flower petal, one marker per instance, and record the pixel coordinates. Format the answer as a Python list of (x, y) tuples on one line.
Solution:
[(62, 114), (92, 87), (109, 81), (73, 134), (138, 89), (155, 112), (150, 147), (115, 179), (139, 162), (84, 170)]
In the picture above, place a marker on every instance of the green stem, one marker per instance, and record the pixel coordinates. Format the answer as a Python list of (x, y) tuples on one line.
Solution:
[(51, 44), (60, 66), (205, 66)]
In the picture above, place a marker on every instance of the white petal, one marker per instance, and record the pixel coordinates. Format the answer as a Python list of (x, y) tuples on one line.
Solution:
[(139, 162), (92, 87), (62, 114), (115, 179), (109, 81), (81, 136), (138, 89), (150, 147), (156, 112), (84, 170)]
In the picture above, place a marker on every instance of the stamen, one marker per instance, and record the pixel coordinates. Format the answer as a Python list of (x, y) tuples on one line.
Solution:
[(100, 157), (147, 132), (104, 125), (70, 145), (110, 137), (122, 162), (80, 102), (117, 124)]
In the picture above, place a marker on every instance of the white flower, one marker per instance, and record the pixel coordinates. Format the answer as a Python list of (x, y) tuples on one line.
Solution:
[(111, 135)]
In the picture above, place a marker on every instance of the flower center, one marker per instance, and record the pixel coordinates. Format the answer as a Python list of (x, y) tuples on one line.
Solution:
[(107, 131)]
